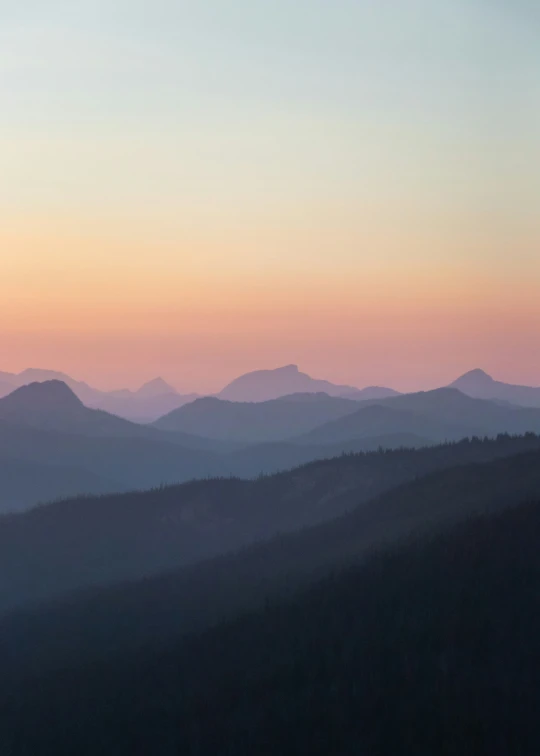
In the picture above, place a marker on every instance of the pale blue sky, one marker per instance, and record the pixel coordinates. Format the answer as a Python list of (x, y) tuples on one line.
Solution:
[(245, 104), (270, 181)]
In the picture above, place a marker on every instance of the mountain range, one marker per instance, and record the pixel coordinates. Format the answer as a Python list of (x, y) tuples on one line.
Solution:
[(265, 385), (149, 402), (93, 451), (157, 398), (53, 406), (438, 415), (442, 414), (256, 422), (317, 608)]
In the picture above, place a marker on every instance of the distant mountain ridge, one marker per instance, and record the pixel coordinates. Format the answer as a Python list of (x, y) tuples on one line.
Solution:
[(53, 406), (5, 388), (156, 387), (34, 375), (371, 392), (256, 422), (45, 423), (90, 451), (152, 400), (477, 383), (265, 385), (380, 420), (161, 397), (319, 419), (441, 414), (156, 398)]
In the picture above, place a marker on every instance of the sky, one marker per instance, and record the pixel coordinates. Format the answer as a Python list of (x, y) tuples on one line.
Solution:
[(198, 189)]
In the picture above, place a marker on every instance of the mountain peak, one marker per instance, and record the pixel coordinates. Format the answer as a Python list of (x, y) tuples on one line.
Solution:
[(476, 376), (156, 387), (49, 395), (479, 384), (263, 385), (287, 369)]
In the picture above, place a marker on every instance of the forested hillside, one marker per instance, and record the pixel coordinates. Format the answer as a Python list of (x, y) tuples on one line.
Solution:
[(105, 620), (88, 541), (432, 648)]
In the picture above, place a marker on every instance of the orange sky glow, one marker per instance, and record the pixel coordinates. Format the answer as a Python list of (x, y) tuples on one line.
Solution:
[(217, 187), (119, 311)]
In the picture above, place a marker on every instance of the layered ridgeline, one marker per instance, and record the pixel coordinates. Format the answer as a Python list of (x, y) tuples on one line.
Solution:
[(264, 385), (441, 414), (478, 383), (91, 451), (53, 406), (51, 445), (74, 544), (149, 402), (431, 648), (434, 416), (257, 422), (157, 397)]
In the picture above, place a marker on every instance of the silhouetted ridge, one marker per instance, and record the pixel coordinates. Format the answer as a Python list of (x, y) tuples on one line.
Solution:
[(478, 383), (371, 392), (156, 387), (6, 388), (441, 414), (253, 422), (263, 385), (51, 395), (53, 406), (475, 377), (306, 397), (288, 369), (145, 405)]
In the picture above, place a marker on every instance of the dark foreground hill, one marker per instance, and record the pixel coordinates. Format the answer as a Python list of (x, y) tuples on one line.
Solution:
[(76, 543), (431, 649), (104, 621)]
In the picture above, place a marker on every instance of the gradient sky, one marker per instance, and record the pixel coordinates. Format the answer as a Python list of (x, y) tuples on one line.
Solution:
[(198, 189)]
